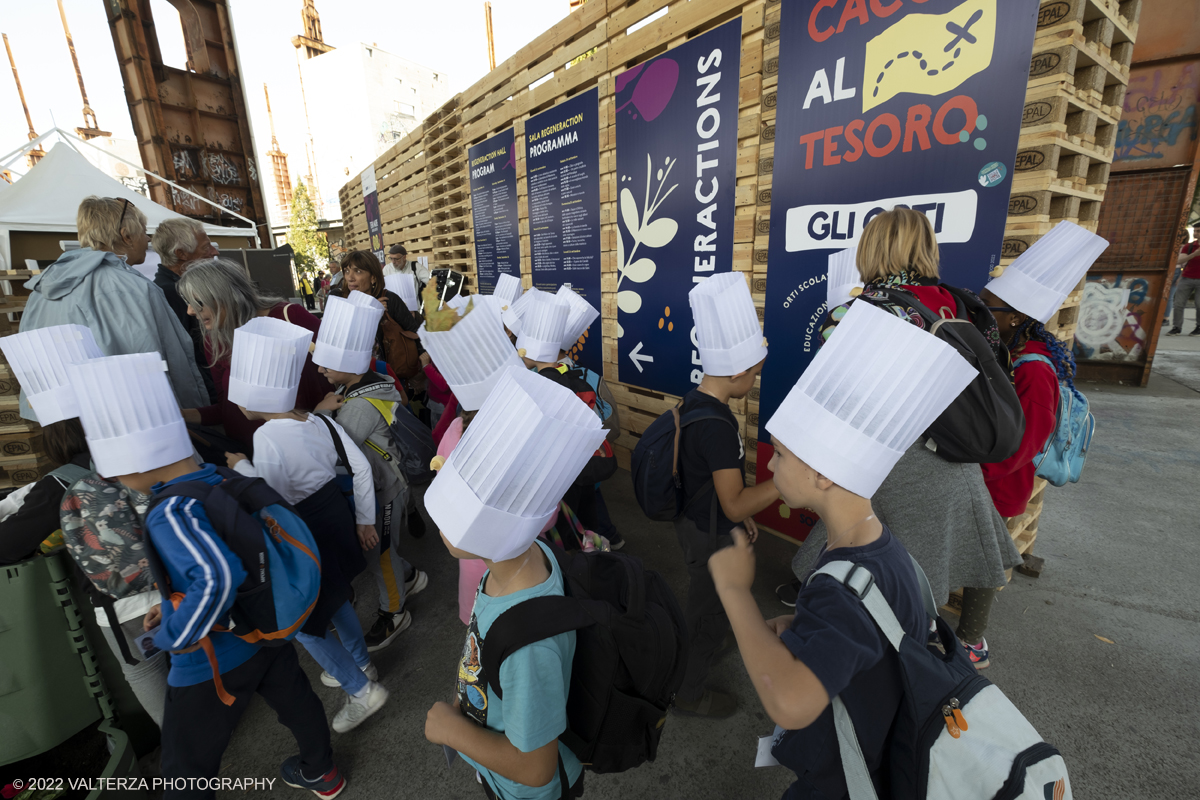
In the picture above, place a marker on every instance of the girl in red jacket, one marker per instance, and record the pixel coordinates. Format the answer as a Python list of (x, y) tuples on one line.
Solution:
[(1022, 298)]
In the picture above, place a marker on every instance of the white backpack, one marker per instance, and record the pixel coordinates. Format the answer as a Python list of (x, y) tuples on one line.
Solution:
[(971, 741)]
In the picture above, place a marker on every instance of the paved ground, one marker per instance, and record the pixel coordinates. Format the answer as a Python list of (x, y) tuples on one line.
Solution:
[(1121, 549)]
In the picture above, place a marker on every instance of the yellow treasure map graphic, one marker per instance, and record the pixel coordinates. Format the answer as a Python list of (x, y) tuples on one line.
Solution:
[(929, 53)]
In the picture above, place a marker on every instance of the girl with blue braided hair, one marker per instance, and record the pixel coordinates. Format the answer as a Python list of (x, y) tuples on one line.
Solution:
[(1023, 297)]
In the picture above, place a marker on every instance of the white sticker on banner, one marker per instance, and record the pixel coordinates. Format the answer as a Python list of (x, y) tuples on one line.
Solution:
[(836, 227)]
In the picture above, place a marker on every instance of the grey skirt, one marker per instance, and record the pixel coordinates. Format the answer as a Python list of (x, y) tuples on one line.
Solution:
[(944, 516)]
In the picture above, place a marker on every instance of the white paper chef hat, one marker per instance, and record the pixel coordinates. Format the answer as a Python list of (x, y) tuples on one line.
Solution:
[(1041, 278), (346, 339), (842, 278), (508, 289), (129, 413), (503, 481), (512, 316), (39, 361), (874, 387), (405, 286), (264, 370), (582, 315), (729, 337), (472, 355), (543, 324), (459, 302)]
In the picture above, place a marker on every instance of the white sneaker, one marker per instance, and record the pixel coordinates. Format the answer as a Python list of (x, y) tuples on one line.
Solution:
[(369, 670), (416, 584), (357, 709)]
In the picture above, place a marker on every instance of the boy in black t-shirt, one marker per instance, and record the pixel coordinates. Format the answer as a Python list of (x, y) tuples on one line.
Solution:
[(874, 386), (712, 460)]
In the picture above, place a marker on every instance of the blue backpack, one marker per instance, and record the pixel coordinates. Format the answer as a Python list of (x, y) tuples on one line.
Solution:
[(654, 465), (1060, 460), (277, 550)]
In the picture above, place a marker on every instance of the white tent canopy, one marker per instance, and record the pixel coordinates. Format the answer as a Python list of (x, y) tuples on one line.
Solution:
[(48, 197)]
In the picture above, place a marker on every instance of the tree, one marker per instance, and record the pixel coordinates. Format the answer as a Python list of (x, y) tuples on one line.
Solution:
[(308, 246)]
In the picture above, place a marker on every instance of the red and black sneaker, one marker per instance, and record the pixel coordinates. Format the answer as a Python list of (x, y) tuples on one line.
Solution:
[(328, 786)]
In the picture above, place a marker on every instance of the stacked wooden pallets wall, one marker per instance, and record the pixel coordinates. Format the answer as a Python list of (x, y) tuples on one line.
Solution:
[(22, 458), (1077, 82)]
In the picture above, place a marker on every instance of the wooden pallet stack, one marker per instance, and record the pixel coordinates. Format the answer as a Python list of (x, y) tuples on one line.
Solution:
[(22, 457)]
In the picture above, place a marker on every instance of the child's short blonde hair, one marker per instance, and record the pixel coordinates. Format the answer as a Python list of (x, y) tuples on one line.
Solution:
[(102, 221), (897, 241)]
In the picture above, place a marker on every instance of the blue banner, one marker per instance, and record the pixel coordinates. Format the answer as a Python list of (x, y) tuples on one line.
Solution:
[(677, 118), (371, 210), (913, 104), (493, 165), (562, 168)]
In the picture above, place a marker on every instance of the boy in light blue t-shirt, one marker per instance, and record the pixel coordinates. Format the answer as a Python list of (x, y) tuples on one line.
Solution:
[(501, 485)]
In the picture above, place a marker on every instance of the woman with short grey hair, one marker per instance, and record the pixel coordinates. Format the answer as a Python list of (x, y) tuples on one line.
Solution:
[(222, 297)]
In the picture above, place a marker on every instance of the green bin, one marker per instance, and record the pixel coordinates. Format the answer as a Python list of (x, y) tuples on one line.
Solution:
[(44, 695)]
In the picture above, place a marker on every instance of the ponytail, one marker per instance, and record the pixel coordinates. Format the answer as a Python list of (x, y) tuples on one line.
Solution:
[(1064, 362)]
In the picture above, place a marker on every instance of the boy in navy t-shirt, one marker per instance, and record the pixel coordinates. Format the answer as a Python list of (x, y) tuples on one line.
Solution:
[(836, 436)]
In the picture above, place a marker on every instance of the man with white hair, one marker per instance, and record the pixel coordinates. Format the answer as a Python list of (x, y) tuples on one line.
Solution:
[(180, 242)]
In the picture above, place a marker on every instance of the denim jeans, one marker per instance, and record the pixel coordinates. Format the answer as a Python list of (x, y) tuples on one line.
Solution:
[(342, 659)]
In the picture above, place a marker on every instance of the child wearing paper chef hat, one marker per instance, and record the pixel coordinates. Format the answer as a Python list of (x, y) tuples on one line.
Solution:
[(298, 454), (40, 360), (366, 404), (712, 459), (1023, 297), (136, 433), (490, 499), (867, 395)]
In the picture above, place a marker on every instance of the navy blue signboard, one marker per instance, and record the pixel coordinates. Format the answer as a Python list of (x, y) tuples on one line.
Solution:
[(677, 118), (493, 164), (881, 105), (562, 166)]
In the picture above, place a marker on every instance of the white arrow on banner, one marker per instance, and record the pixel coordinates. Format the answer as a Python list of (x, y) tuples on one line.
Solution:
[(638, 358)]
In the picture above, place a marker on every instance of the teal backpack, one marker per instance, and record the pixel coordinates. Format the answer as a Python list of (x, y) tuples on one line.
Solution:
[(1060, 460)]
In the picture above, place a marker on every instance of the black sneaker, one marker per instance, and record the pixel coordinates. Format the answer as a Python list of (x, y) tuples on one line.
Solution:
[(787, 593), (1174, 331), (616, 541), (386, 628), (1195, 332)]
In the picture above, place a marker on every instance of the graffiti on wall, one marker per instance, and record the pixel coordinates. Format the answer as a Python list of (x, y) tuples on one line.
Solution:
[(1159, 124), (1114, 317)]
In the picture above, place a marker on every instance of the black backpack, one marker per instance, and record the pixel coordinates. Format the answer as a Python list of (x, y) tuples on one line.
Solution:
[(630, 654), (654, 465), (985, 422)]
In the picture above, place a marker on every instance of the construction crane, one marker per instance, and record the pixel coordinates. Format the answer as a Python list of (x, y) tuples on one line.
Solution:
[(89, 116), (487, 12), (34, 154)]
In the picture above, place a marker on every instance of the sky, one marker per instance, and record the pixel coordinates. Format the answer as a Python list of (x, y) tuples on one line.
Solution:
[(447, 35)]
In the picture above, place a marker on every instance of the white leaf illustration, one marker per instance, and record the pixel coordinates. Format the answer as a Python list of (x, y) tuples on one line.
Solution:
[(620, 249), (629, 212), (660, 232), (629, 301), (620, 331), (640, 271)]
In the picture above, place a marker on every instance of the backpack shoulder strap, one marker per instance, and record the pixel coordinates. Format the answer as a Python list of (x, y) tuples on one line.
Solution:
[(69, 474), (526, 623), (859, 785), (859, 580), (1032, 357), (337, 444)]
